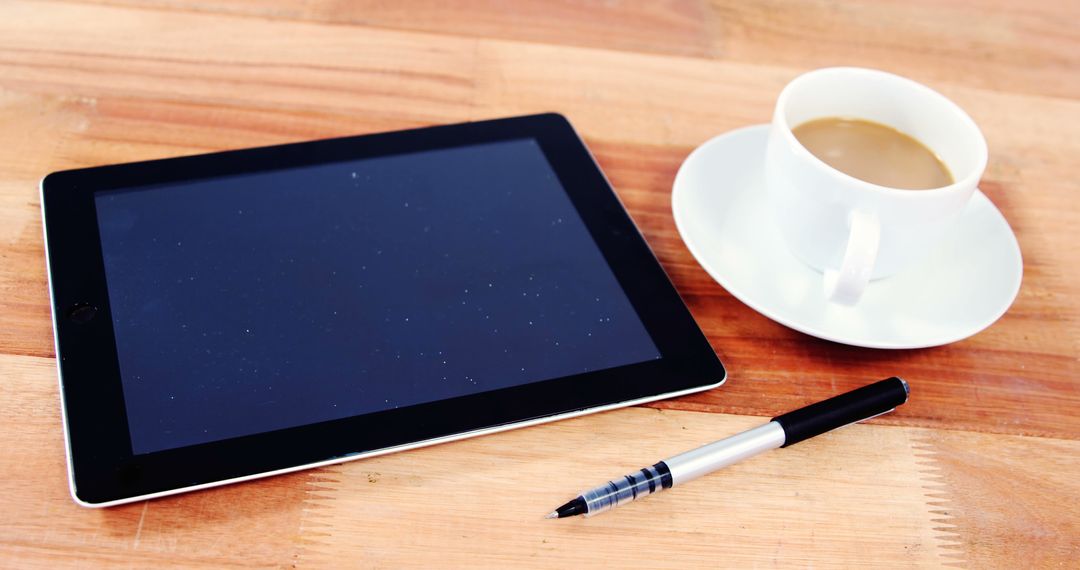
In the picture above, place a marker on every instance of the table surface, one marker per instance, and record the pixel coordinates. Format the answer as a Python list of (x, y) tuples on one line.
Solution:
[(981, 468)]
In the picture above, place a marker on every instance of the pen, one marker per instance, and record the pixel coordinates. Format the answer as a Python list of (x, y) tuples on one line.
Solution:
[(791, 428)]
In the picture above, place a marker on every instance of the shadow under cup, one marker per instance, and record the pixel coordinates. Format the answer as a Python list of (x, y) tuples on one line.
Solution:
[(814, 203)]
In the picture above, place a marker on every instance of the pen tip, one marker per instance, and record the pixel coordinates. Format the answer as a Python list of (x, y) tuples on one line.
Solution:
[(552, 515)]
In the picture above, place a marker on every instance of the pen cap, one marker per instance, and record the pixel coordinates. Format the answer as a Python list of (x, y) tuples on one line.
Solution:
[(838, 411)]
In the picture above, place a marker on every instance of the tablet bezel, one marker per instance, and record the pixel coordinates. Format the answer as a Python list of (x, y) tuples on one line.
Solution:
[(103, 469)]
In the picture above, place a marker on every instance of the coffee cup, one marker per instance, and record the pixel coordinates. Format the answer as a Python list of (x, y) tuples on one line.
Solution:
[(852, 230)]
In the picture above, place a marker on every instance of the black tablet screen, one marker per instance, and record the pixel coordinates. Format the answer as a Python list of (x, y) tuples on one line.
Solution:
[(265, 301)]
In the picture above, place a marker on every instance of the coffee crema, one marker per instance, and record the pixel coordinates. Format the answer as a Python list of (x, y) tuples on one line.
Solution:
[(873, 152)]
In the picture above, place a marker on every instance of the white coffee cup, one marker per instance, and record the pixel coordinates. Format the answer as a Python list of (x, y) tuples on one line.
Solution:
[(851, 230)]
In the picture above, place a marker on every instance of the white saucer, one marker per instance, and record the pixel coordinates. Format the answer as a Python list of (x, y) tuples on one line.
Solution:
[(721, 211)]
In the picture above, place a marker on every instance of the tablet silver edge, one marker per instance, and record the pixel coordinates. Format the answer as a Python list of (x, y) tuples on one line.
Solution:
[(364, 455)]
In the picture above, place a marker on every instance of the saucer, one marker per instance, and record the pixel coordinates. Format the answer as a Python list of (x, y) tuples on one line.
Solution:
[(722, 213)]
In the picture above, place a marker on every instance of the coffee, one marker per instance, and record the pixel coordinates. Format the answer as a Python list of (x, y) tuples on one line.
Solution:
[(873, 152)]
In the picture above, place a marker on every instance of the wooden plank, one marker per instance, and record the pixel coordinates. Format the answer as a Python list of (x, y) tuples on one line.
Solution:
[(790, 509), (664, 26), (868, 495), (987, 498), (1033, 48)]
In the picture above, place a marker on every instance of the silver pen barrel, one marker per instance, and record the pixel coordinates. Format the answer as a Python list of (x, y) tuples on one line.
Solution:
[(708, 458)]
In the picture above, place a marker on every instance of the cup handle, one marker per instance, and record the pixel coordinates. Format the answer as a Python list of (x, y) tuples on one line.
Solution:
[(846, 285)]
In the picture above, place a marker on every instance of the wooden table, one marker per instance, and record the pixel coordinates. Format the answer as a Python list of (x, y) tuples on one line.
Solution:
[(980, 469)]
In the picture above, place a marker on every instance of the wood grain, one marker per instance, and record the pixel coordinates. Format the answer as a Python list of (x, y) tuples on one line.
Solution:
[(664, 26), (981, 463), (780, 507), (986, 497), (1034, 50)]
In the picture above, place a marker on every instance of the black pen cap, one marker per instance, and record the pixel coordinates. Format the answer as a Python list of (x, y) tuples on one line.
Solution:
[(838, 411)]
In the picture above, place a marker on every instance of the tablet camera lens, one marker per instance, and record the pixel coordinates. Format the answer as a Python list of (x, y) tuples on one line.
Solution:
[(82, 313)]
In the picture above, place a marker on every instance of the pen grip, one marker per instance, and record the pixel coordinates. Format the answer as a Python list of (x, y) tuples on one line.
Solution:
[(856, 405)]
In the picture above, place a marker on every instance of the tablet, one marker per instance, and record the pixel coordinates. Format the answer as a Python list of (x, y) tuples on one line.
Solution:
[(247, 313)]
